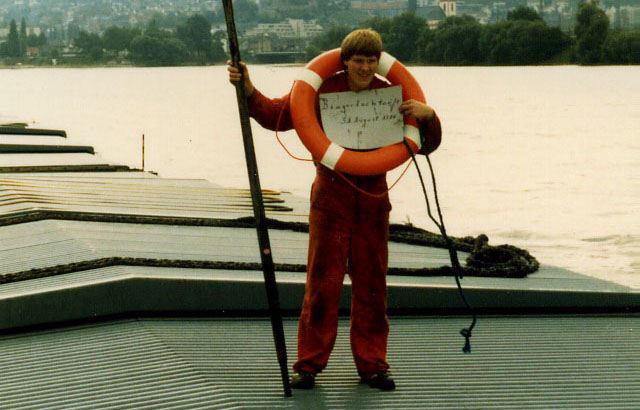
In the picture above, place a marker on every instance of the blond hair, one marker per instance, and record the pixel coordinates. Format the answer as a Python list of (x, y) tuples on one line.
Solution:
[(365, 41)]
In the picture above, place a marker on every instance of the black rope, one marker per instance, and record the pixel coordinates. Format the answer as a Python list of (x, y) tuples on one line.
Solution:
[(457, 269)]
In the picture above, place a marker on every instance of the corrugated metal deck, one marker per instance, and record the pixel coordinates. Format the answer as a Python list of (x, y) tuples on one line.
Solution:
[(137, 195), (126, 290), (83, 176), (83, 258), (526, 362), (55, 216), (19, 153), (49, 243), (32, 139), (33, 160), (22, 129)]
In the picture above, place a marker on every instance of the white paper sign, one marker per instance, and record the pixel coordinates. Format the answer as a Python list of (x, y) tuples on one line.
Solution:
[(364, 120)]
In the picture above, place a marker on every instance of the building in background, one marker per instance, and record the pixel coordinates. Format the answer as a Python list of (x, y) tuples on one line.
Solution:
[(275, 8), (432, 13), (449, 7), (290, 28), (381, 8), (284, 41)]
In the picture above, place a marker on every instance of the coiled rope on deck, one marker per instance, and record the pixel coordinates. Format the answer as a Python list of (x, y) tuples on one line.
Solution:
[(487, 261), (484, 260)]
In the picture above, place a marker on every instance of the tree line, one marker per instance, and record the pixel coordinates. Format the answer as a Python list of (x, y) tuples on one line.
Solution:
[(190, 43), (18, 41), (524, 38)]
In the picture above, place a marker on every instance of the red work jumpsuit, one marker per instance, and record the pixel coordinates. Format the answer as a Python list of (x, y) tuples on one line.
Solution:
[(348, 232)]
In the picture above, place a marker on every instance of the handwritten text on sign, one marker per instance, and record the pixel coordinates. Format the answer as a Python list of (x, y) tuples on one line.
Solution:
[(363, 120)]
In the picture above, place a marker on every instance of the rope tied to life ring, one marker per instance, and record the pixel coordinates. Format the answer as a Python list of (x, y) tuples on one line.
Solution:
[(378, 161), (374, 162)]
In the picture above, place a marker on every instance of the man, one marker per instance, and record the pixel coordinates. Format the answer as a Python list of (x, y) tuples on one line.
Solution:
[(348, 229)]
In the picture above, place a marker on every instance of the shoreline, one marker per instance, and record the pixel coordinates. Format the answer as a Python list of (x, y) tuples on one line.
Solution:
[(32, 66)]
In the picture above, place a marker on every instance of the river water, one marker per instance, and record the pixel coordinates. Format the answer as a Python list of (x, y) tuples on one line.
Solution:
[(546, 158)]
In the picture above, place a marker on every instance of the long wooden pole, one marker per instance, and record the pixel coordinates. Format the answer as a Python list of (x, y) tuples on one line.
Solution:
[(258, 205)]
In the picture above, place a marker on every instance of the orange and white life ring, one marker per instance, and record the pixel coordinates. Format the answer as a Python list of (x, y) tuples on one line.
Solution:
[(333, 156)]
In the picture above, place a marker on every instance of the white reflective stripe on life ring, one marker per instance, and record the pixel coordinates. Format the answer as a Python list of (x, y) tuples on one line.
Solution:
[(385, 63), (332, 155), (413, 133), (312, 78)]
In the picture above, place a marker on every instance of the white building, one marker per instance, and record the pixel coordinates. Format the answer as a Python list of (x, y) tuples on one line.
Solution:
[(449, 7), (291, 28), (387, 8), (630, 17)]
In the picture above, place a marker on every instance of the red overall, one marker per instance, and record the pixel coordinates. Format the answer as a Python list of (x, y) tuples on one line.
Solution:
[(348, 232)]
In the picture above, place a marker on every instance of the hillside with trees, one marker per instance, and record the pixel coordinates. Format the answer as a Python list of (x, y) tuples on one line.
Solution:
[(190, 43), (522, 39)]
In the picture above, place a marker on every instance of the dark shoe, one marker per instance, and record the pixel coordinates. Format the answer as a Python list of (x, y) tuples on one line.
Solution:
[(303, 380), (381, 381)]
